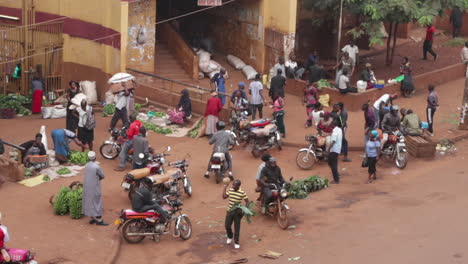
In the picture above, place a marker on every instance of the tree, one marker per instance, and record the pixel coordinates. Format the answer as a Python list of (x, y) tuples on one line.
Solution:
[(392, 12)]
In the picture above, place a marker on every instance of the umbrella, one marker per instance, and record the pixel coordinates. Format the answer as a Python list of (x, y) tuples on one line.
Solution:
[(121, 77)]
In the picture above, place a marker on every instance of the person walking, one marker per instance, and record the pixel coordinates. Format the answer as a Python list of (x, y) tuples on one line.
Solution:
[(432, 105), (427, 45), (334, 150), (71, 119), (278, 113), (456, 19), (213, 107), (369, 122), (38, 88), (120, 109), (219, 80), (92, 194), (277, 84), (407, 85), (372, 153), (85, 135), (140, 146), (256, 97), (234, 215), (343, 124)]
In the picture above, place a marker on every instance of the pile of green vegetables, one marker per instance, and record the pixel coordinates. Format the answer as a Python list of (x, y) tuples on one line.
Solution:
[(194, 132), (247, 210), (109, 110), (157, 129), (301, 188), (323, 83), (138, 107), (159, 114), (69, 201), (28, 172), (13, 104), (63, 171), (78, 158)]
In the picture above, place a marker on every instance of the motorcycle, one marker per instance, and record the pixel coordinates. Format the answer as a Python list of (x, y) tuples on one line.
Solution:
[(111, 148), (306, 157), (241, 127), (18, 256), (265, 138), (218, 166), (395, 148), (278, 207), (182, 181), (136, 226), (155, 165)]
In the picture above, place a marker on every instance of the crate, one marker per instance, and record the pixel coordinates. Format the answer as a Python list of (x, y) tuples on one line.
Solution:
[(420, 147)]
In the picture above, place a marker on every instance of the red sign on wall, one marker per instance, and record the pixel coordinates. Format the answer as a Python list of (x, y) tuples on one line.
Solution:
[(210, 2)]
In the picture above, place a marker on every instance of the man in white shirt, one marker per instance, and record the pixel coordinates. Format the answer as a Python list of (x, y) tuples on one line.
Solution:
[(256, 97), (343, 82), (334, 150), (464, 54), (280, 65), (121, 102), (292, 68), (385, 100), (353, 52)]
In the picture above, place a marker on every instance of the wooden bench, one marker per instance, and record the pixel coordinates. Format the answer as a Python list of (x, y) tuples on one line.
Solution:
[(420, 146)]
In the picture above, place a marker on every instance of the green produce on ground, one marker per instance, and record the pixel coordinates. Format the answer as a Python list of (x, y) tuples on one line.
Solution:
[(138, 107), (157, 129), (28, 172), (46, 178), (108, 110), (78, 158), (159, 114), (18, 103), (247, 210), (323, 83), (63, 171), (194, 132), (74, 199), (61, 202), (301, 188)]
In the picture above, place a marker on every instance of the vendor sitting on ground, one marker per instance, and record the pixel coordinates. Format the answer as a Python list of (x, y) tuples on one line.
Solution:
[(62, 138), (33, 148), (411, 124), (368, 76)]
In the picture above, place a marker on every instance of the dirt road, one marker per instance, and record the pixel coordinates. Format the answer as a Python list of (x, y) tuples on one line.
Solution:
[(411, 216)]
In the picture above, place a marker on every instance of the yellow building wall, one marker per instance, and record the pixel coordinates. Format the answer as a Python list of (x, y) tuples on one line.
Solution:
[(280, 15)]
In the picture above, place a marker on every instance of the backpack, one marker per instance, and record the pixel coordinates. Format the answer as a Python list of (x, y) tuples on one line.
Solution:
[(90, 120)]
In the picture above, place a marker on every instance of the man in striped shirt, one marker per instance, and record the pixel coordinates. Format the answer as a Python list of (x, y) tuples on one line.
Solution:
[(235, 195)]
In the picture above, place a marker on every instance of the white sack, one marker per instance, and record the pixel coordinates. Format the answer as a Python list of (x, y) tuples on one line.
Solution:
[(249, 72), (89, 89), (236, 62), (47, 111), (59, 112)]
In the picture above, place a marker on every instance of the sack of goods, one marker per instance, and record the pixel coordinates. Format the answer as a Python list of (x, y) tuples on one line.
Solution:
[(361, 86), (237, 63), (249, 72), (89, 89), (58, 111), (76, 101)]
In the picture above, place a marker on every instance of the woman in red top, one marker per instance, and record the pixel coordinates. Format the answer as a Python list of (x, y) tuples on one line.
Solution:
[(213, 107)]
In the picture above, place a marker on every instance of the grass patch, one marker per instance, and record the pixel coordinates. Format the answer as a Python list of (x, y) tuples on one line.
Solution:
[(456, 42)]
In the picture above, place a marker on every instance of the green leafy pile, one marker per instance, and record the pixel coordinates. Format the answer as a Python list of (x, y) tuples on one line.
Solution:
[(323, 83), (456, 42), (16, 102), (78, 158), (63, 171), (159, 114), (138, 107), (75, 198), (194, 132), (28, 172), (247, 210), (157, 129), (301, 188), (109, 110), (61, 201)]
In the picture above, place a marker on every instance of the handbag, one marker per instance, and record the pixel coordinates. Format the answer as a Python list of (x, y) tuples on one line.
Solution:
[(365, 163)]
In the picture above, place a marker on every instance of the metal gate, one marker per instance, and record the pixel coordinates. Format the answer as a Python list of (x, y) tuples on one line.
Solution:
[(32, 48)]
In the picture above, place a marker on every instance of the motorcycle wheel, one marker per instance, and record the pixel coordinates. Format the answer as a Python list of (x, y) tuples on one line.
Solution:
[(257, 152), (188, 188), (402, 161), (131, 192), (304, 161), (185, 228), (282, 218), (133, 226), (109, 151), (219, 176)]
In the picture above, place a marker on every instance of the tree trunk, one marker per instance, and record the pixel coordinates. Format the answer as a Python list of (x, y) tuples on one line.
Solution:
[(464, 108), (387, 59), (395, 30)]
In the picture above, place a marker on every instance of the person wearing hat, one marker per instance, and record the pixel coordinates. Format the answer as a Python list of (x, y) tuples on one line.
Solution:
[(33, 147), (271, 174), (239, 107), (213, 107), (372, 154), (142, 201), (92, 195), (241, 89), (368, 76)]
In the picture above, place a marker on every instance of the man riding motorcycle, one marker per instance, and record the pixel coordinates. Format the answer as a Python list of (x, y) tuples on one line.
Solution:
[(271, 174), (143, 201), (239, 106), (390, 123), (132, 131), (221, 140)]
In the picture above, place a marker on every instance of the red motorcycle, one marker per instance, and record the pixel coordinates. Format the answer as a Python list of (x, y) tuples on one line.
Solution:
[(136, 226), (18, 256)]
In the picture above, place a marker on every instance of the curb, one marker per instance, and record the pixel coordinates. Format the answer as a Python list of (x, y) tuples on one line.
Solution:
[(117, 242)]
